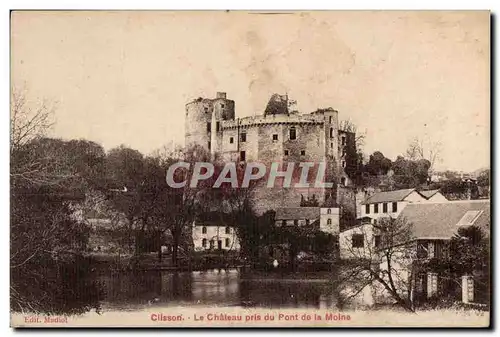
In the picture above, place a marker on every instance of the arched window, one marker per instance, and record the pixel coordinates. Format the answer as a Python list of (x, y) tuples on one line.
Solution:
[(293, 133), (228, 230), (204, 230), (204, 243), (329, 211), (329, 222)]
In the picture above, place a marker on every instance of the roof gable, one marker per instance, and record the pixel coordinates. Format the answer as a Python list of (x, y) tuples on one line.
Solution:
[(428, 194)]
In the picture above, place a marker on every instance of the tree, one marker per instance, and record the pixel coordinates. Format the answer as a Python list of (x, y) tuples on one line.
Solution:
[(360, 137), (483, 181), (28, 121), (385, 262), (185, 203), (458, 189), (427, 149), (44, 260), (410, 173), (124, 179), (378, 164)]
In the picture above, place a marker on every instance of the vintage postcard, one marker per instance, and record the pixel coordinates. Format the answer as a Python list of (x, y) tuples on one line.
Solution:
[(250, 169)]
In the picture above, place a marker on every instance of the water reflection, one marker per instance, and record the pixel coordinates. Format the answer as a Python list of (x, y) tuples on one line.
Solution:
[(132, 291)]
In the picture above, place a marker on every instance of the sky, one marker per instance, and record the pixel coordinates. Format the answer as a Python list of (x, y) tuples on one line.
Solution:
[(125, 77)]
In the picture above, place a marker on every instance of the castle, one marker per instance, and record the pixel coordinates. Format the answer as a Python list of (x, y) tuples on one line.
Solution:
[(280, 134)]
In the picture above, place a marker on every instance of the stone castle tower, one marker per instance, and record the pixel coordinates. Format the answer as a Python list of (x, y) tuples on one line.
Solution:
[(278, 135)]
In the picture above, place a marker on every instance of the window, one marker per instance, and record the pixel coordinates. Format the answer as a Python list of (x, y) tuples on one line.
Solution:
[(358, 241), (286, 152), (343, 140), (367, 209), (209, 127), (204, 243), (330, 119), (422, 250), (469, 218), (283, 222), (209, 145), (222, 106), (331, 145), (343, 163), (343, 181), (307, 221), (228, 230), (375, 208), (295, 222), (331, 132), (293, 133), (243, 137), (394, 206), (384, 207), (204, 230), (329, 211), (303, 152), (217, 126), (206, 109), (231, 140), (377, 241), (275, 137), (344, 151), (212, 244), (242, 156), (227, 242), (329, 222)]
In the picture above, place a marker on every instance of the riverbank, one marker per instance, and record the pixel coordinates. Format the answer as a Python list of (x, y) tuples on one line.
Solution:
[(197, 316)]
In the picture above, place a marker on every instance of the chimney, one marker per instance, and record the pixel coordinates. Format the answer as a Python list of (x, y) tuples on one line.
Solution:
[(221, 95)]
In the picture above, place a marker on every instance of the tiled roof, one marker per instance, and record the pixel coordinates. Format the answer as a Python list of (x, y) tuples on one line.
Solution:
[(390, 196), (428, 194), (297, 213), (440, 220)]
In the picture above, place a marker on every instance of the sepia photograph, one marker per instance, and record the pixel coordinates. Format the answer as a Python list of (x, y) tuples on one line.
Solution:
[(250, 169)]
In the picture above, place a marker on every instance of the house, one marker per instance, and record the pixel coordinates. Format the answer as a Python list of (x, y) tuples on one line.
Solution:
[(389, 203), (325, 218), (433, 224), (211, 231), (434, 196)]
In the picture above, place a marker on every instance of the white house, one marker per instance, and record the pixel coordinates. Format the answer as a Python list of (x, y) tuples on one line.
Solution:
[(210, 232), (389, 203)]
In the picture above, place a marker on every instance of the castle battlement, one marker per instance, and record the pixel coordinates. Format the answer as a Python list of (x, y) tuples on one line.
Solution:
[(273, 120)]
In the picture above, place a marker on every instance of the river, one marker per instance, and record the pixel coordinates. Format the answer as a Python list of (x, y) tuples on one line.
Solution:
[(135, 291)]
